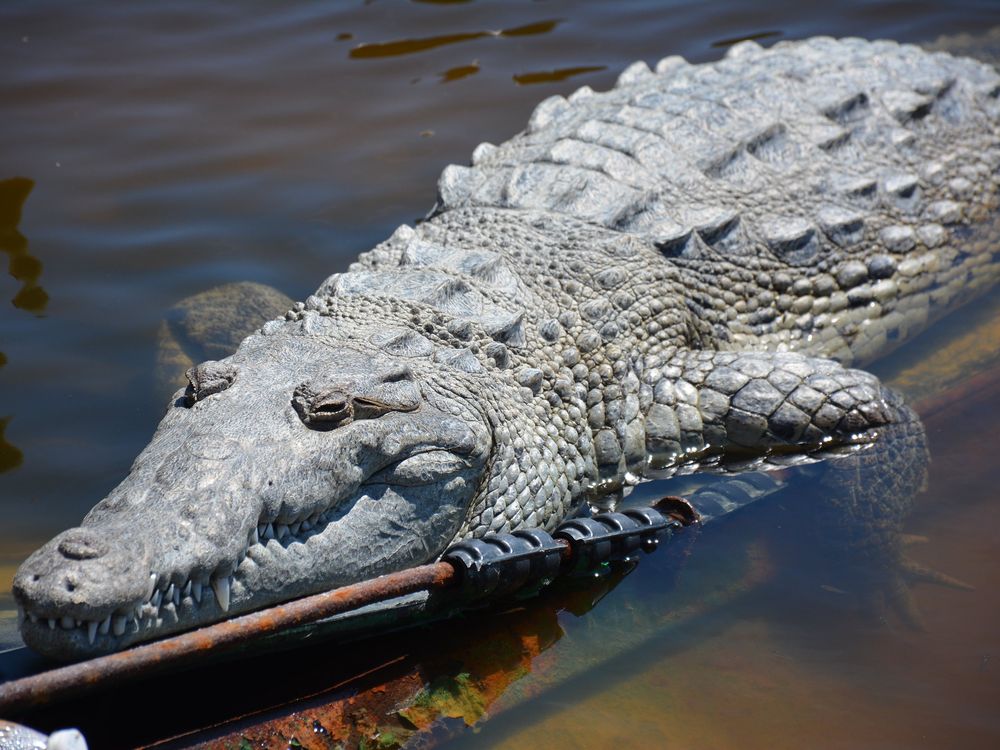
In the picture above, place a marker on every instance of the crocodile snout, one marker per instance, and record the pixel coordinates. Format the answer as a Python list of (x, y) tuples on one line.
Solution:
[(82, 572)]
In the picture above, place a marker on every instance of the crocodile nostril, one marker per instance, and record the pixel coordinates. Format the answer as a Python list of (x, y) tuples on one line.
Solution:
[(82, 547), (207, 379)]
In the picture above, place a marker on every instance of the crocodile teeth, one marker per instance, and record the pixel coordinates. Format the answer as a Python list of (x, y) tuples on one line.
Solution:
[(187, 590), (268, 532), (105, 626), (92, 631), (151, 586), (52, 623), (157, 598), (196, 591), (170, 593), (281, 530), (220, 586), (306, 526), (118, 624), (254, 536), (33, 617), (295, 528)]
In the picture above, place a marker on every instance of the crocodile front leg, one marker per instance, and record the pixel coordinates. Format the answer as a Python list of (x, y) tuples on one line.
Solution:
[(740, 409), (712, 407)]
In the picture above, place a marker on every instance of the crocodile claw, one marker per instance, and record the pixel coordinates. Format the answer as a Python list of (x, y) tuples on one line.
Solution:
[(916, 572), (891, 589)]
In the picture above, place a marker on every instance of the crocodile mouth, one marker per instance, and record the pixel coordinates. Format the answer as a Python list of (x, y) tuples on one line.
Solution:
[(277, 546)]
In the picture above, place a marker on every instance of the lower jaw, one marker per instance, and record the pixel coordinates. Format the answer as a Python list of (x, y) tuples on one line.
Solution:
[(263, 579), (75, 643)]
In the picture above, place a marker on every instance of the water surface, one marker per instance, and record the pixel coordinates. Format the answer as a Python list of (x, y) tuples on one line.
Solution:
[(160, 150)]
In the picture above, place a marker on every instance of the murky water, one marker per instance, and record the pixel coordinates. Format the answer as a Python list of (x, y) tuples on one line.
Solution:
[(168, 149)]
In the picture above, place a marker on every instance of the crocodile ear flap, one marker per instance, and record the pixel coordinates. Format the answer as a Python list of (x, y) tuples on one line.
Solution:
[(207, 379)]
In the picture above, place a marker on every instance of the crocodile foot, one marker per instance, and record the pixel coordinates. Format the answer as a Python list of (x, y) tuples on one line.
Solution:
[(887, 588)]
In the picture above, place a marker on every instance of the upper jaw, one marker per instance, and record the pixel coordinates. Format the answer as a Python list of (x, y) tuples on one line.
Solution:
[(240, 501)]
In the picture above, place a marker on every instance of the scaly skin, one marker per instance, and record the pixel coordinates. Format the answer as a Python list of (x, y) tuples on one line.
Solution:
[(675, 273)]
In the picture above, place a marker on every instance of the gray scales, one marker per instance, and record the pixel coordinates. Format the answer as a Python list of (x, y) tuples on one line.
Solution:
[(676, 274)]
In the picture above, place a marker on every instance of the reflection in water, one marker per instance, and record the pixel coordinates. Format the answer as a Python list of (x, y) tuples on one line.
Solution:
[(412, 46), (10, 456), (550, 76), (460, 71), (22, 266)]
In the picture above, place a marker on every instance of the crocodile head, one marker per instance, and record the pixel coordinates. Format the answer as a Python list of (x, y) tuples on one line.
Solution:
[(309, 459)]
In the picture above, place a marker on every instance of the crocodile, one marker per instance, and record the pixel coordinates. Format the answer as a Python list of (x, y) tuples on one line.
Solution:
[(681, 273)]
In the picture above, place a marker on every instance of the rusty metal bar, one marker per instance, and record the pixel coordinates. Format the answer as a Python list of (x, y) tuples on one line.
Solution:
[(73, 679)]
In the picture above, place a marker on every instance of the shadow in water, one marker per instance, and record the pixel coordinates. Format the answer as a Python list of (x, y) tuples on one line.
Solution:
[(22, 265)]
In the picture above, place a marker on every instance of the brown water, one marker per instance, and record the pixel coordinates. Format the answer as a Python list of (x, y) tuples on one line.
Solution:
[(168, 149)]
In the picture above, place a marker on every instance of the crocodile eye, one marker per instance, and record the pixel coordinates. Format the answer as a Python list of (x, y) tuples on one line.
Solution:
[(327, 407), (207, 379), (324, 408)]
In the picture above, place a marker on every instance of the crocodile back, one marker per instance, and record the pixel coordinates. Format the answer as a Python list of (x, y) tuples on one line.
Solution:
[(831, 196)]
